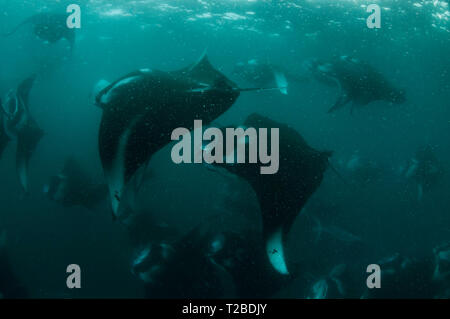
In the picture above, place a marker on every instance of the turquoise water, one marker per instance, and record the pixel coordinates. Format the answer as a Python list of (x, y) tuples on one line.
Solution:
[(380, 209)]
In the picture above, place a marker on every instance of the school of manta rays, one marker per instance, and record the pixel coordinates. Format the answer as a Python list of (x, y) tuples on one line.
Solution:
[(139, 112)]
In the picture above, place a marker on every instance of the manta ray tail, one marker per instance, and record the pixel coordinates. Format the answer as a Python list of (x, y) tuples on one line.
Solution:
[(206, 88), (262, 89)]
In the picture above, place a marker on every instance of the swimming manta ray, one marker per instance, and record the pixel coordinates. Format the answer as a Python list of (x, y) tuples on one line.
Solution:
[(49, 26), (74, 187), (358, 82), (140, 111), (19, 125), (282, 195)]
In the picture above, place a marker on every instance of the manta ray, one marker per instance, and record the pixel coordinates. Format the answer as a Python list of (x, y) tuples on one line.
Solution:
[(358, 82), (49, 26), (281, 196), (74, 187), (425, 170), (140, 111), (19, 125), (215, 259)]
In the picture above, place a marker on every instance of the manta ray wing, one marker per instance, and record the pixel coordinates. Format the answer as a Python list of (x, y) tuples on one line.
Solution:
[(28, 132), (205, 74), (27, 141), (24, 88), (118, 152)]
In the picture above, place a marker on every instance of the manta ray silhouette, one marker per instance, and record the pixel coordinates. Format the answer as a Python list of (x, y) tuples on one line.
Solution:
[(18, 124), (140, 111), (282, 195), (74, 187), (48, 26), (358, 82)]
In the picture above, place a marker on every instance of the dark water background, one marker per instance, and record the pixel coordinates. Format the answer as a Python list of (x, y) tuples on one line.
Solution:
[(411, 48)]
